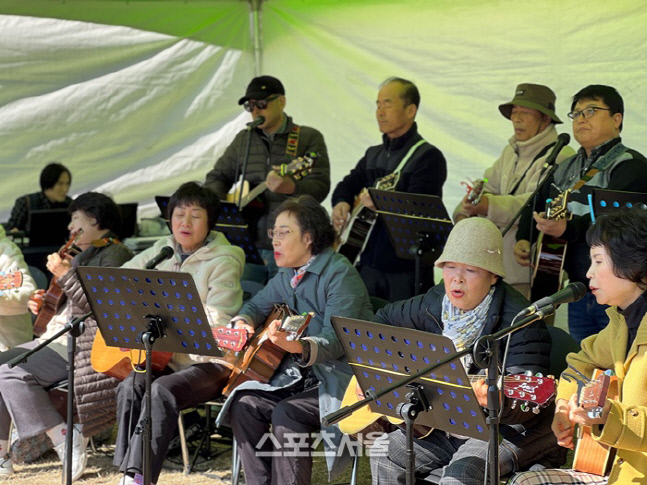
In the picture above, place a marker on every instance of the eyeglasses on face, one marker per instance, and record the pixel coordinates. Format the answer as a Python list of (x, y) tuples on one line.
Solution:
[(586, 112), (278, 235), (261, 104)]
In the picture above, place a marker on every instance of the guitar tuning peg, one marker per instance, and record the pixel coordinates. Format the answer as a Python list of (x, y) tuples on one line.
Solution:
[(514, 404), (524, 407), (535, 409)]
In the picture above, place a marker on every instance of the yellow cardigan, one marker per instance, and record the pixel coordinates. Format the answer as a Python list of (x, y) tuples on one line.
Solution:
[(626, 425)]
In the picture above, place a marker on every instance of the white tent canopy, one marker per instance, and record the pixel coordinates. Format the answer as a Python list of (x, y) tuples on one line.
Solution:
[(137, 97)]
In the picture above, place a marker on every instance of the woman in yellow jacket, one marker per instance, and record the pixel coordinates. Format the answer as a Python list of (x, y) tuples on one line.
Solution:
[(618, 277)]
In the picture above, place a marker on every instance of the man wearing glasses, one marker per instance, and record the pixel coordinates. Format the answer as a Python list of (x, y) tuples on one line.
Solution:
[(602, 161), (274, 140)]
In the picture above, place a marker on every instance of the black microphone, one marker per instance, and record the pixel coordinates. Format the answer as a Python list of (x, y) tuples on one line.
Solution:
[(562, 140), (165, 253), (572, 292), (258, 121)]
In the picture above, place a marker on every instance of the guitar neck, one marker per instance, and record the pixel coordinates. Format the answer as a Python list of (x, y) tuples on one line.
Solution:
[(255, 192)]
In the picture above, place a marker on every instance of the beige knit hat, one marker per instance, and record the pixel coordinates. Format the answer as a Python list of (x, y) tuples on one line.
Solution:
[(475, 241)]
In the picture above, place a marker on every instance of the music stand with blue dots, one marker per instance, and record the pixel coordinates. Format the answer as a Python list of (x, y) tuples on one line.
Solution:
[(603, 201), (418, 226), (142, 309), (381, 355)]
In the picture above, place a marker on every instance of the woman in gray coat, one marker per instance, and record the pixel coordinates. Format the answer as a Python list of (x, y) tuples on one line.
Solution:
[(312, 378)]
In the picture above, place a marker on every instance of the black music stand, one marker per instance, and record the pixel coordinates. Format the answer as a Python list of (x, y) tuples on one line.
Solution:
[(139, 309), (604, 201), (381, 355), (418, 225)]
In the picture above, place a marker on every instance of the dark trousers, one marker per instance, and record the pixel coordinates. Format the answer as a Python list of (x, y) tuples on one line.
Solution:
[(283, 458), (169, 394)]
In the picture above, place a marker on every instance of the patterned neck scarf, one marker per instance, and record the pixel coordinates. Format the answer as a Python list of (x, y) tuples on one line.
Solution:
[(462, 326), (298, 273)]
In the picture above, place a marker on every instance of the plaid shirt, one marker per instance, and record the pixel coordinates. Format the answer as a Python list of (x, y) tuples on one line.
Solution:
[(37, 201)]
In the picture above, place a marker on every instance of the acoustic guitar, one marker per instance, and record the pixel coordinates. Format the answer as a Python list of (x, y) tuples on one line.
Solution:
[(9, 281), (591, 456), (354, 233), (259, 357), (297, 168), (551, 251), (55, 297), (522, 388), (118, 362)]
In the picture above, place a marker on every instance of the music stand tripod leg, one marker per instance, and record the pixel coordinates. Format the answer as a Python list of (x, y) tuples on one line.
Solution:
[(417, 403), (153, 332), (486, 356), (76, 331)]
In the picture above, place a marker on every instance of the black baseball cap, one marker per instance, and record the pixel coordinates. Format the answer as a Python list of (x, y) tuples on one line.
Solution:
[(262, 87)]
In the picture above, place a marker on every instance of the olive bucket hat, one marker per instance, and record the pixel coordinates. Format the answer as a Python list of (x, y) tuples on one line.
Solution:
[(534, 96), (475, 241)]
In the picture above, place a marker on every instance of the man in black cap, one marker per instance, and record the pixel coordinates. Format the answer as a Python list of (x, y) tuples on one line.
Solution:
[(514, 176), (275, 140)]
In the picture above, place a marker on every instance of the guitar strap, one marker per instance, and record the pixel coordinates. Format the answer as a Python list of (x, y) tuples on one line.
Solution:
[(539, 155), (406, 158), (293, 141), (601, 164)]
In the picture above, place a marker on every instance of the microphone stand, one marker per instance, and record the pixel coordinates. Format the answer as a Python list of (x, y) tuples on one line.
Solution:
[(250, 128), (531, 200), (485, 353), (73, 329)]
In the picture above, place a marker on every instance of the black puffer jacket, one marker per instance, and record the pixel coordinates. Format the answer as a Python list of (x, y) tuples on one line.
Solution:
[(529, 347), (95, 393), (264, 154)]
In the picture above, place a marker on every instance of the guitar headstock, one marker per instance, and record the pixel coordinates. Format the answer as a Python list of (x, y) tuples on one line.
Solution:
[(295, 325), (11, 280), (474, 195), (534, 389), (230, 338), (299, 167), (593, 394), (388, 182), (557, 208)]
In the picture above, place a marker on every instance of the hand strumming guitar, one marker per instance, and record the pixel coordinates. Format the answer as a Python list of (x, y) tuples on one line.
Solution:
[(35, 302), (568, 414), (522, 252), (340, 214)]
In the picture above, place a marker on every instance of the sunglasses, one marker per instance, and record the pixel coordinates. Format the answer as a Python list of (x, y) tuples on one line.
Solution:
[(261, 104)]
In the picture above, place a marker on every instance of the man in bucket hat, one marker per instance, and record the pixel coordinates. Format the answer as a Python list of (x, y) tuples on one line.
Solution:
[(514, 176), (472, 301), (275, 140)]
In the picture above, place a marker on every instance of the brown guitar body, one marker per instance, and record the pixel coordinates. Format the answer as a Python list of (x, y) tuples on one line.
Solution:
[(260, 358), (53, 300), (592, 456), (547, 277)]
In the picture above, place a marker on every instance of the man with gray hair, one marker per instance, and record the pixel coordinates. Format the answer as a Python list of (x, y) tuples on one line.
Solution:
[(515, 175), (422, 170)]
